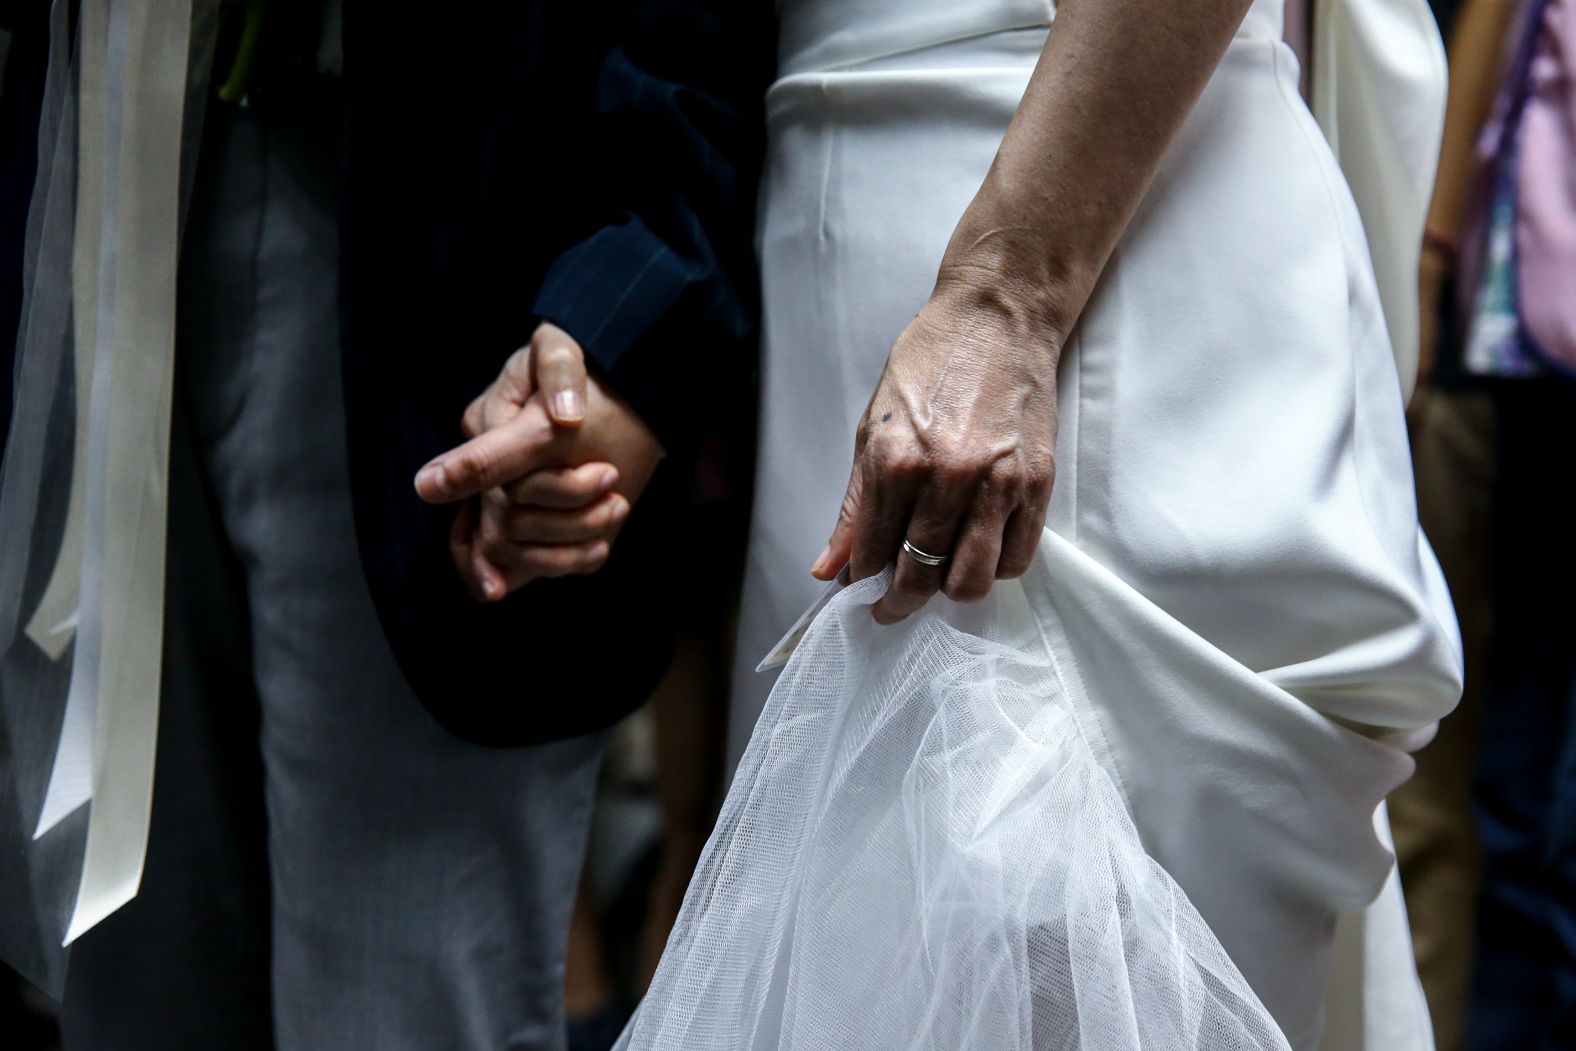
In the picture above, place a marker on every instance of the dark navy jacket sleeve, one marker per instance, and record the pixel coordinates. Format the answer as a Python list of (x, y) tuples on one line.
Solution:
[(661, 289)]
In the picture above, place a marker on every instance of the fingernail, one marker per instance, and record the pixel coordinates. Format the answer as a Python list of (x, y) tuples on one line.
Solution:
[(609, 478), (567, 405), (433, 478), (492, 587), (821, 560), (597, 553), (619, 511)]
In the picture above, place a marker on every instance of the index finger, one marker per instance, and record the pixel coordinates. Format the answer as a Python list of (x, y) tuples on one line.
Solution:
[(490, 460)]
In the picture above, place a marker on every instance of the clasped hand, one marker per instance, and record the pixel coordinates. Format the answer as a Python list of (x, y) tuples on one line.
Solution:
[(552, 467)]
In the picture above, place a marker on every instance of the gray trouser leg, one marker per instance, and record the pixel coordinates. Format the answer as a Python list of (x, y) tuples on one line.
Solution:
[(420, 886), (184, 966)]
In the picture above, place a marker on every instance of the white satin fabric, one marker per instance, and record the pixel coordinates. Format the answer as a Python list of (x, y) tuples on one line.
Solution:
[(1236, 569), (1378, 92)]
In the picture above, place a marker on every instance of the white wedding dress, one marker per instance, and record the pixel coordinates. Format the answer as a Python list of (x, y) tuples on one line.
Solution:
[(1234, 630)]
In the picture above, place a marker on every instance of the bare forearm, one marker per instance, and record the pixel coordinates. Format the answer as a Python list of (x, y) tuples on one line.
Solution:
[(1476, 45), (1114, 83)]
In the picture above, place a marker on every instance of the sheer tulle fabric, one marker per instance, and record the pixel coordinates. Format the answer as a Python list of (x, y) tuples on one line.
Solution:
[(920, 850), (38, 871)]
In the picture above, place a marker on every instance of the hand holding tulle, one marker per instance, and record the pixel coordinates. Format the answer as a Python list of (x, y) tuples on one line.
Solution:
[(955, 454)]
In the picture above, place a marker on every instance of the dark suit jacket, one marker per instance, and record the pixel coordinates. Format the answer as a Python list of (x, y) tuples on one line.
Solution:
[(592, 164), (589, 163)]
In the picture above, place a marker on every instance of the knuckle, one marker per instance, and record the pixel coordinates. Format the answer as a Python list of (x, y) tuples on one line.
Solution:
[(555, 355), (566, 529), (497, 550), (968, 589), (518, 520), (471, 421), (911, 586), (905, 465), (558, 483), (518, 366), (888, 447), (1024, 539), (1007, 477), (546, 561), (1012, 567), (490, 531), (1041, 474), (497, 411), (574, 496), (955, 468), (468, 470), (928, 530)]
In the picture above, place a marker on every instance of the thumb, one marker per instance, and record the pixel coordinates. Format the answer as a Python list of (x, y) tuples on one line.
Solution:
[(501, 455), (560, 367), (840, 548)]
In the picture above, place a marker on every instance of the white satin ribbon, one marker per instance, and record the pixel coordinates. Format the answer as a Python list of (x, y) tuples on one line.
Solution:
[(107, 588)]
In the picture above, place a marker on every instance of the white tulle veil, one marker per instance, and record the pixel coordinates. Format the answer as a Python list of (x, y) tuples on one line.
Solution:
[(921, 850)]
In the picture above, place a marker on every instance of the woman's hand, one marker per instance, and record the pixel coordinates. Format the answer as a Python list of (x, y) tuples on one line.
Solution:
[(956, 451)]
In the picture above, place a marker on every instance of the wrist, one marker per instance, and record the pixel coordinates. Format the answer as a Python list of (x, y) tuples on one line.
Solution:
[(1018, 293), (1007, 266), (1013, 315)]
